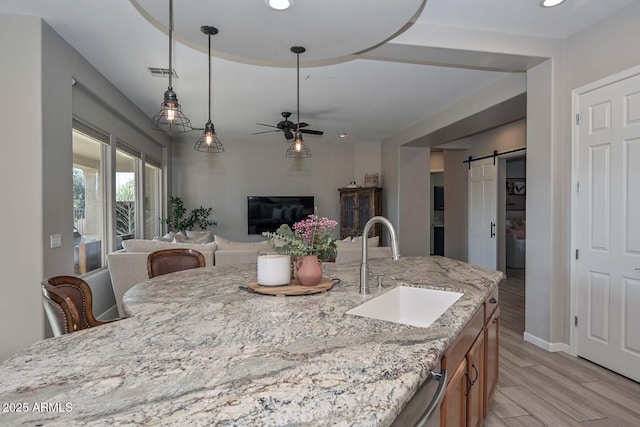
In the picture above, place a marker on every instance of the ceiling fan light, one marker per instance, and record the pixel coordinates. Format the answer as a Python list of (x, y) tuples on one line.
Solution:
[(279, 4), (550, 3)]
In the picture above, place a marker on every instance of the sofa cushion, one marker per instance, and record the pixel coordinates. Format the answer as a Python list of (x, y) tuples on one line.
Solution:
[(357, 242), (140, 245), (371, 241), (199, 236), (224, 244), (236, 256)]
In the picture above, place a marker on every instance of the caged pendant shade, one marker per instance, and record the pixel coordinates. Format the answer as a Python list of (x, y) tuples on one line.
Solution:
[(170, 117), (298, 149), (209, 142)]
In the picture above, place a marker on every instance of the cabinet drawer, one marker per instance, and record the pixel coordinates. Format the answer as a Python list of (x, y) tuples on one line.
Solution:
[(490, 304), (457, 351)]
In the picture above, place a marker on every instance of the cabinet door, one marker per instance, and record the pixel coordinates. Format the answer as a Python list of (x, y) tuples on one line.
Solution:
[(475, 375), (364, 209), (453, 411), (492, 346), (348, 223)]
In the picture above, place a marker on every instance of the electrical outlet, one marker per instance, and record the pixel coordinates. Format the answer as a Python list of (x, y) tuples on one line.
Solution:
[(56, 240)]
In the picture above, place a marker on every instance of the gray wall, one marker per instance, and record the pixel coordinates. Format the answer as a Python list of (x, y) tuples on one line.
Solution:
[(504, 138), (602, 50), (21, 174), (258, 167), (38, 77)]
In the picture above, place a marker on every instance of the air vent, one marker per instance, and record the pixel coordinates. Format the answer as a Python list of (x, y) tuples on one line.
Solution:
[(161, 72)]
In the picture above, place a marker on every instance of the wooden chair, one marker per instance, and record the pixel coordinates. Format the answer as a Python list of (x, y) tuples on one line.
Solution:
[(68, 303), (170, 260)]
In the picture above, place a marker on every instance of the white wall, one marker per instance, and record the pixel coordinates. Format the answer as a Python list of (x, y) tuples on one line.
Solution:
[(21, 315), (258, 167), (367, 160)]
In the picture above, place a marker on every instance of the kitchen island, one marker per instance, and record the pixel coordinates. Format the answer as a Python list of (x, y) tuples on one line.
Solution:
[(197, 350)]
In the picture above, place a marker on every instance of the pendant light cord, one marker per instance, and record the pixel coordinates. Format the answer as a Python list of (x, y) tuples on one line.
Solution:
[(170, 40), (209, 77), (298, 96)]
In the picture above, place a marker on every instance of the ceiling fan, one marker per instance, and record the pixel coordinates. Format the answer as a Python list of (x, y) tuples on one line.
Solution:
[(288, 127)]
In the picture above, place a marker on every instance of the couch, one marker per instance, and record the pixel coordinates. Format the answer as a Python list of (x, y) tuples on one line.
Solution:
[(128, 266)]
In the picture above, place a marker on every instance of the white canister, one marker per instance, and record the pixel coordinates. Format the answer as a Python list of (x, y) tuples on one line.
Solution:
[(274, 269)]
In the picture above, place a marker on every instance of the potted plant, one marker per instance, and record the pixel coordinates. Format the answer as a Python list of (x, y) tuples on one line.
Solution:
[(311, 241), (180, 221)]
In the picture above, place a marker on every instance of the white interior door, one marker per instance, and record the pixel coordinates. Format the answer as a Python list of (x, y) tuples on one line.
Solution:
[(483, 209), (608, 229)]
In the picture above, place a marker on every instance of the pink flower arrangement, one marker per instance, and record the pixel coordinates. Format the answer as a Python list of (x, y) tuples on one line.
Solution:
[(314, 228), (310, 236)]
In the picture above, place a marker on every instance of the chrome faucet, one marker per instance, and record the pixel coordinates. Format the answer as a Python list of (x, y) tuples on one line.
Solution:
[(395, 254)]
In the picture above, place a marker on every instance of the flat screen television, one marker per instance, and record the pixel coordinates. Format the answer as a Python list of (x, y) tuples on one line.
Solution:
[(267, 213)]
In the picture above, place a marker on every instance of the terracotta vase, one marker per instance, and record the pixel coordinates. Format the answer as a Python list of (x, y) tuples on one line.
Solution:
[(309, 270)]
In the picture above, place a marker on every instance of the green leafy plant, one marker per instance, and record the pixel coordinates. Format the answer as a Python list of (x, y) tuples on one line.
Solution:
[(179, 220)]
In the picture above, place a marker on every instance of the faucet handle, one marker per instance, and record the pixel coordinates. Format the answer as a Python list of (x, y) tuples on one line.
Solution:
[(378, 277)]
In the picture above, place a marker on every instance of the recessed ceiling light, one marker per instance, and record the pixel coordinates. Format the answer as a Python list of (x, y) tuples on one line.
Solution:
[(343, 135), (550, 3), (279, 4)]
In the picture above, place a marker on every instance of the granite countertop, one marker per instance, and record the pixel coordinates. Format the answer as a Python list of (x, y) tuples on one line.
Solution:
[(197, 350)]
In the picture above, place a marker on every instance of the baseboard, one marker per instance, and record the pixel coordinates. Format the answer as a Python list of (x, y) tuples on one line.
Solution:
[(546, 345), (111, 313)]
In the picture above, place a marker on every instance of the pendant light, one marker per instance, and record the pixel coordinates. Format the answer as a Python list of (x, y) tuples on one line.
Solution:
[(298, 149), (209, 142), (170, 118)]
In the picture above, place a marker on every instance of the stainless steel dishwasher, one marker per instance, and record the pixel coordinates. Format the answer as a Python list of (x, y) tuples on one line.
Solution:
[(423, 410)]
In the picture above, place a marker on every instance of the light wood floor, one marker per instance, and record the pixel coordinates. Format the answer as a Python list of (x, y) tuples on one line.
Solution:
[(537, 388)]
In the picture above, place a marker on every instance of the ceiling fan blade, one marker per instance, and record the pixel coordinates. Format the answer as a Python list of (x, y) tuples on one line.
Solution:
[(288, 134), (266, 131), (262, 124), (311, 131), (303, 125)]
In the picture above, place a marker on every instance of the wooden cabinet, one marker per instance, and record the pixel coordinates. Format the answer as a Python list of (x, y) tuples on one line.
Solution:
[(491, 342), (357, 206), (475, 381), (454, 406), (472, 361)]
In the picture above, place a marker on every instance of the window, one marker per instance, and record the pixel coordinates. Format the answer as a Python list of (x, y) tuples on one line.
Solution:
[(152, 193), (89, 149), (127, 167)]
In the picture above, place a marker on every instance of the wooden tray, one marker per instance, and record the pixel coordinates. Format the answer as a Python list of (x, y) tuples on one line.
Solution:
[(293, 288)]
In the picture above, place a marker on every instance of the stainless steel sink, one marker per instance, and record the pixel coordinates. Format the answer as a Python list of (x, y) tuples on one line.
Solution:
[(408, 306)]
